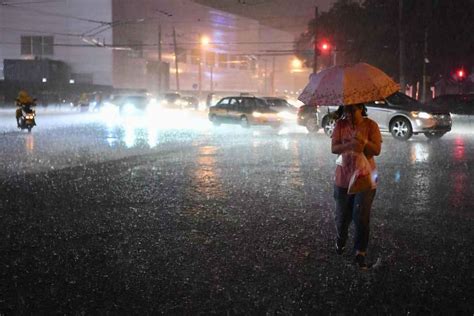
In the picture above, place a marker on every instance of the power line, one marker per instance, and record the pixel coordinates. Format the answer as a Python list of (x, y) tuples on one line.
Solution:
[(153, 46), (45, 13), (29, 2)]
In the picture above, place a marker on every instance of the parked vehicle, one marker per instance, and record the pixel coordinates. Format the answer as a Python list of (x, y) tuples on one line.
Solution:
[(243, 110), (397, 114), (462, 104)]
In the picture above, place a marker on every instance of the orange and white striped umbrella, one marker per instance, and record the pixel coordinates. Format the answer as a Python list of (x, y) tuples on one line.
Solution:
[(348, 84)]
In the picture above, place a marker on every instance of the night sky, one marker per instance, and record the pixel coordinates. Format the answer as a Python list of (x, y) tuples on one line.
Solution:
[(288, 15)]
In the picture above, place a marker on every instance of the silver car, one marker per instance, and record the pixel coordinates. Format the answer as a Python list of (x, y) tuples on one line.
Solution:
[(400, 115)]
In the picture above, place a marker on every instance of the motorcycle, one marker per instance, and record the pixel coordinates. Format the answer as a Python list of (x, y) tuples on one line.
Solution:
[(27, 119)]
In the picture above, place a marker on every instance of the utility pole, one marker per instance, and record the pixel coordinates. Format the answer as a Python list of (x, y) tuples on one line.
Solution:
[(316, 51), (424, 88), (159, 59), (212, 79), (428, 17), (266, 76), (200, 68), (176, 58), (401, 47), (273, 77)]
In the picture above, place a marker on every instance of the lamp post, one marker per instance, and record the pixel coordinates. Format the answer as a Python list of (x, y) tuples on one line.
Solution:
[(204, 43)]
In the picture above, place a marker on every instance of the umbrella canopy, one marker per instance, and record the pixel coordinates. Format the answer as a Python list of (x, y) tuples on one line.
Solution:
[(348, 84)]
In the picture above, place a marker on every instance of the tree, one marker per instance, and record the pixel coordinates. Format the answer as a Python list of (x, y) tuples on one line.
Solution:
[(368, 32)]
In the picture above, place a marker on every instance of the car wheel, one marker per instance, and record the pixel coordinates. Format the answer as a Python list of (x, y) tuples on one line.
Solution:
[(312, 125), (214, 120), (329, 123), (434, 135), (401, 128), (244, 122)]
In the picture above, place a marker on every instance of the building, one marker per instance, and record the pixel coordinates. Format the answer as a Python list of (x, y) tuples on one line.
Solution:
[(62, 31), (157, 45)]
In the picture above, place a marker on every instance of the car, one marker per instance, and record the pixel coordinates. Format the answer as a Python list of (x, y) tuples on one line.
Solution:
[(127, 104), (397, 114), (286, 110), (171, 100), (461, 104), (189, 102), (244, 110), (309, 117)]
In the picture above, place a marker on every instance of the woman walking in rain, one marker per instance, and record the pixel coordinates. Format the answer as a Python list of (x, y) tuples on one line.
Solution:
[(354, 134), (356, 139)]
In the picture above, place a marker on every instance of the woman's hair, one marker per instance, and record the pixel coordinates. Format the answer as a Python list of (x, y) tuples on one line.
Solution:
[(359, 105), (339, 113)]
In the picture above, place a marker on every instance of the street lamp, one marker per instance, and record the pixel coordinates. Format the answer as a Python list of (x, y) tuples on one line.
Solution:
[(205, 41), (296, 65)]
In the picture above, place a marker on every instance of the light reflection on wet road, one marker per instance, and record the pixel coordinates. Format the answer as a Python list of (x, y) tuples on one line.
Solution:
[(170, 207), (427, 169)]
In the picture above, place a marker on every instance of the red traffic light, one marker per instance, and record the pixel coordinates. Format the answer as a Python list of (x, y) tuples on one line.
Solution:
[(324, 47), (460, 73)]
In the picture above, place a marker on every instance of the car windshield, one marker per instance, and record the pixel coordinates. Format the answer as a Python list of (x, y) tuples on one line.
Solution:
[(171, 97), (138, 101), (401, 99)]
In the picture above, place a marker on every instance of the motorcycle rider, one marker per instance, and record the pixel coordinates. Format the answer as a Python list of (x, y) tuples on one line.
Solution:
[(23, 100)]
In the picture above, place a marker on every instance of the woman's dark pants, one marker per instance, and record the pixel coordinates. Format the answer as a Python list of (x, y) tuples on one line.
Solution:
[(353, 207)]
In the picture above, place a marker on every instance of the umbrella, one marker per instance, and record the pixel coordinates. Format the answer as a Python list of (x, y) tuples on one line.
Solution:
[(348, 84)]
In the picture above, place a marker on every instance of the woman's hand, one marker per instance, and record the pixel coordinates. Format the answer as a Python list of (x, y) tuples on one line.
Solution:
[(357, 145)]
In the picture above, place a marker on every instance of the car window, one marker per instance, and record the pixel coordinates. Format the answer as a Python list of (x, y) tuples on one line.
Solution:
[(278, 103), (224, 103), (248, 104), (137, 101), (234, 104), (379, 103), (260, 103)]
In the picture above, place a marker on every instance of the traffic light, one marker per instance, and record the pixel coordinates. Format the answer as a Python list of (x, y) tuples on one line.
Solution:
[(324, 47), (461, 74)]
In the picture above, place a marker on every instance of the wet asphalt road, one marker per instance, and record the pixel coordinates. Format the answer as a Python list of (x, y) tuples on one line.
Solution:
[(195, 219)]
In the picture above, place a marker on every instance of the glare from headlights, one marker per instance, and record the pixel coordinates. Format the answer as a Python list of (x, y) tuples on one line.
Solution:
[(286, 115), (128, 108), (153, 109), (202, 106), (256, 114), (424, 115)]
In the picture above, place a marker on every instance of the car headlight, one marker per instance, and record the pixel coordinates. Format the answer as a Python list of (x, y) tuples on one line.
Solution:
[(257, 114), (422, 115)]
